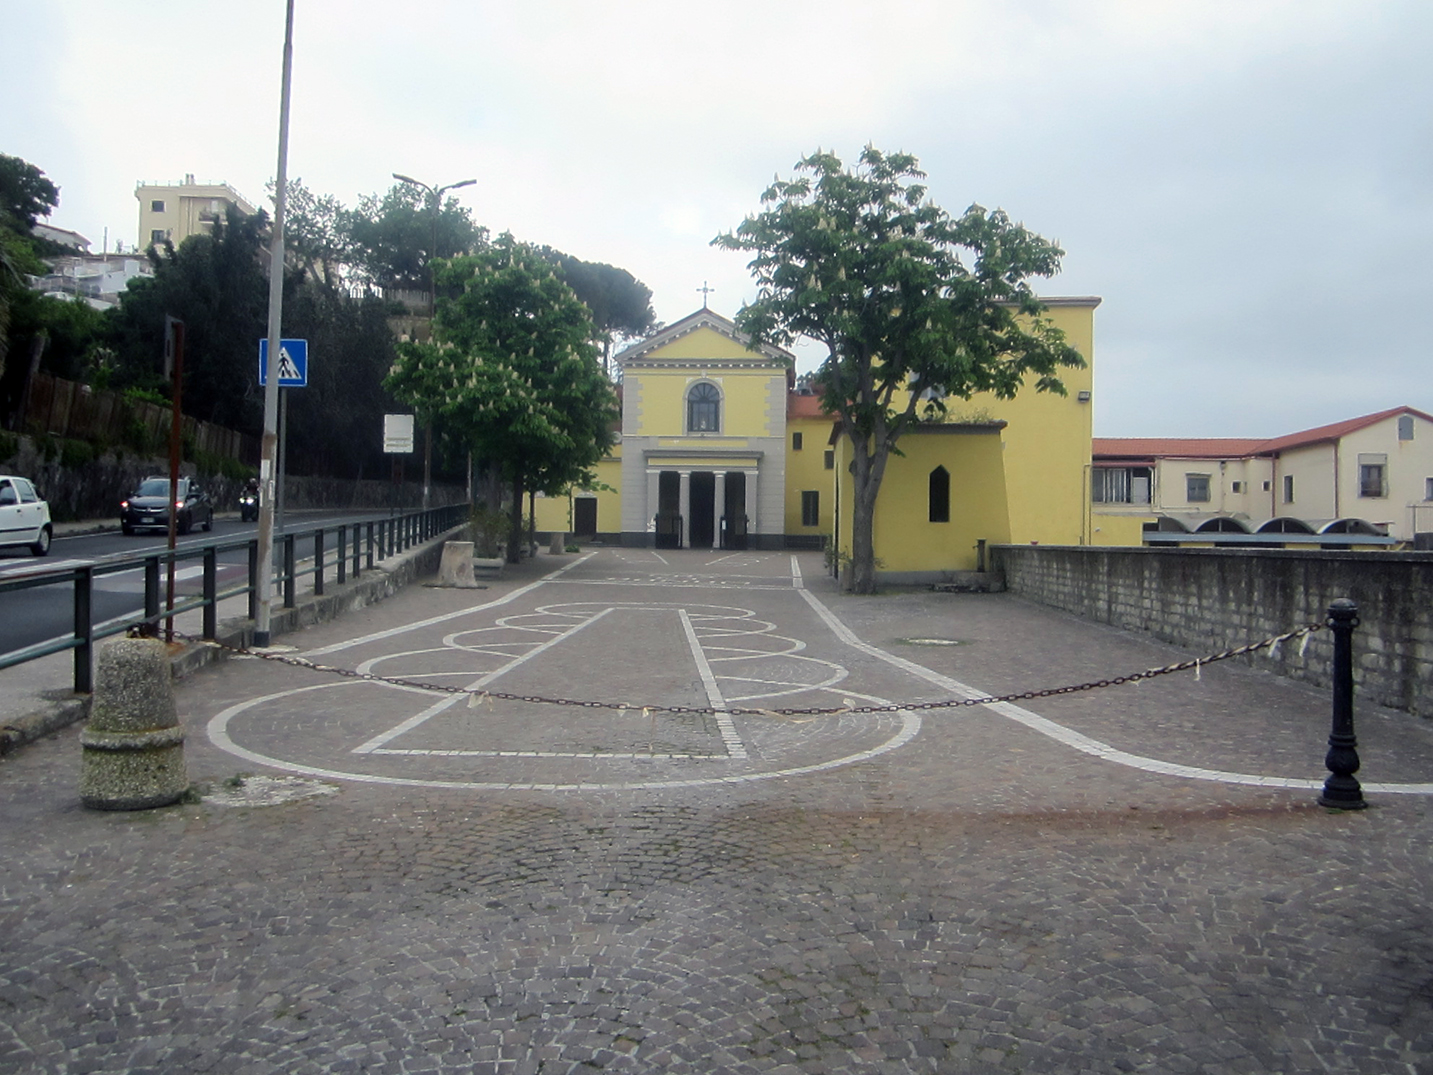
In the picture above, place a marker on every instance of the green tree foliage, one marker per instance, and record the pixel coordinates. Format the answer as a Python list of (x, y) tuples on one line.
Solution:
[(859, 260), (25, 194), (71, 326), (335, 424), (513, 369), (317, 233), (620, 304), (16, 259), (217, 286), (393, 239)]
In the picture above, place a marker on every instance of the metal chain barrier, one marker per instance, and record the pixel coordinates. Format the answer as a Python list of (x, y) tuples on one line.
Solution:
[(478, 697)]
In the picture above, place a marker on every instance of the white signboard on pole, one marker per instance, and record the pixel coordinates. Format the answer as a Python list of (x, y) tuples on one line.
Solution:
[(397, 434)]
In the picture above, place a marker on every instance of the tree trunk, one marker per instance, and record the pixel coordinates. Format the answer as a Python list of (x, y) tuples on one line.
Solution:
[(515, 527), (869, 469), (863, 551), (532, 522)]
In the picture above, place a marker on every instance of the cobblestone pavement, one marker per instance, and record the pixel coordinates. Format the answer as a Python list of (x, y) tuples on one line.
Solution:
[(511, 887)]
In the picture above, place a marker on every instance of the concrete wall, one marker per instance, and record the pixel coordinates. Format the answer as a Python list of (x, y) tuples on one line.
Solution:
[(1210, 599)]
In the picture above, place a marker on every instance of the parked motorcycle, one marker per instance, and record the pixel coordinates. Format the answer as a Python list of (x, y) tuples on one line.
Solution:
[(249, 506)]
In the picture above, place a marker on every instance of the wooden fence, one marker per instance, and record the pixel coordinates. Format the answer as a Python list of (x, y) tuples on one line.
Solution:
[(77, 411)]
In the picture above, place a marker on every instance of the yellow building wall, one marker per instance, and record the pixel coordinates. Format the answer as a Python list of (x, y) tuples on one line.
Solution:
[(1117, 529), (905, 538), (746, 394), (1047, 444), (806, 470), (555, 512)]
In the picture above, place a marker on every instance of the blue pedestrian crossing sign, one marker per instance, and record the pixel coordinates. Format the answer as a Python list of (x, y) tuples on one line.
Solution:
[(293, 363)]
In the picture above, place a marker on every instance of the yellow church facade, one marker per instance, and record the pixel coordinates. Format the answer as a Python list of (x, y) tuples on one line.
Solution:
[(719, 450)]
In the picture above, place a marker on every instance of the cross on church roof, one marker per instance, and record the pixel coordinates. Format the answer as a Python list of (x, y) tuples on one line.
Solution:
[(705, 292)]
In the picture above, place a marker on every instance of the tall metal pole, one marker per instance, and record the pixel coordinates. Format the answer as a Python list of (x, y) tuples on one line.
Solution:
[(267, 468), (176, 422)]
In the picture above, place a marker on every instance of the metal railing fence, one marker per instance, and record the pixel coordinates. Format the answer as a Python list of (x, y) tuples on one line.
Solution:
[(359, 546)]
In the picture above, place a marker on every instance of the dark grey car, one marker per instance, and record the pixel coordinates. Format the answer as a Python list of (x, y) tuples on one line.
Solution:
[(148, 507)]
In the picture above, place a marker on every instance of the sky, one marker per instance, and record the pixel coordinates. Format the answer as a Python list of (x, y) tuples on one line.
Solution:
[(1247, 185)]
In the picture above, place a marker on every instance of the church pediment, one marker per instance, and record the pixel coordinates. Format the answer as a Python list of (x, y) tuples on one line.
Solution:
[(703, 337)]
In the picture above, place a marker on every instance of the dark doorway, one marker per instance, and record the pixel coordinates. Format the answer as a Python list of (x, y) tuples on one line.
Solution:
[(703, 509), (669, 510), (733, 519), (584, 516)]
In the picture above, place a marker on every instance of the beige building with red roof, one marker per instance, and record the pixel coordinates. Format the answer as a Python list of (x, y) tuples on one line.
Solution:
[(1363, 481)]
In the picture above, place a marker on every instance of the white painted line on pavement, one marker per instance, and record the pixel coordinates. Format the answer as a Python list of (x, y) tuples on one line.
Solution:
[(1075, 739), (218, 729), (395, 631), (734, 746), (477, 684)]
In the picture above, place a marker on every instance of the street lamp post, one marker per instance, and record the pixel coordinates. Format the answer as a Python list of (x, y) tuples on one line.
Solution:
[(437, 195)]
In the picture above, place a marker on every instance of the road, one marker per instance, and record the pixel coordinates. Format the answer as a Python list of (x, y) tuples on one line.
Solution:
[(35, 615)]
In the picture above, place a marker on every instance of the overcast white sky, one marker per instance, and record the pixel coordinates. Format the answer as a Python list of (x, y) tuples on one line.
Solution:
[(1248, 185)]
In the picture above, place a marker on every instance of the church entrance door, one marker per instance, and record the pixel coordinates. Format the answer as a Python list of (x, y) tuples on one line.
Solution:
[(669, 510), (584, 516), (703, 508), (733, 511)]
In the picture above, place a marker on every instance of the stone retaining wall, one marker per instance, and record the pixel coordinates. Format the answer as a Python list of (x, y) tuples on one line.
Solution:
[(1212, 599)]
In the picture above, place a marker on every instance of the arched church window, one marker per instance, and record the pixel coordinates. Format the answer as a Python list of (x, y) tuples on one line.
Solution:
[(704, 408), (940, 495)]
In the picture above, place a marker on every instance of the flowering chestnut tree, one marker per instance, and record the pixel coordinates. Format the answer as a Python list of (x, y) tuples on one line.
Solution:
[(859, 260), (513, 372)]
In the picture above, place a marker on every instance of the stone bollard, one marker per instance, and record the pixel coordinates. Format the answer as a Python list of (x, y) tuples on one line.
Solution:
[(456, 568), (559, 543), (133, 743)]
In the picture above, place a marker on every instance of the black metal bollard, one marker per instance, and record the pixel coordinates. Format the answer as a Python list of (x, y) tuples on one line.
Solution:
[(1341, 789)]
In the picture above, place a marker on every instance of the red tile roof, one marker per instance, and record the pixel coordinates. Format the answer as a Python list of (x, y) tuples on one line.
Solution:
[(1323, 434), (1175, 447), (803, 406), (1236, 447)]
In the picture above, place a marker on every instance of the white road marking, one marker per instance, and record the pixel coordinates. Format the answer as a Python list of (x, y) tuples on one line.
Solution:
[(734, 746), (218, 729), (478, 684), (39, 565), (394, 632), (1072, 738)]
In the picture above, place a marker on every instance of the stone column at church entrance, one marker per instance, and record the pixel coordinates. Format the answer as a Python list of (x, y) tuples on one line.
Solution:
[(719, 507), (685, 507), (751, 527)]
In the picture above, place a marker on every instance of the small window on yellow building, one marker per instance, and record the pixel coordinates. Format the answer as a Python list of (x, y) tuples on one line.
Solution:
[(810, 507), (796, 442), (940, 495), (830, 460)]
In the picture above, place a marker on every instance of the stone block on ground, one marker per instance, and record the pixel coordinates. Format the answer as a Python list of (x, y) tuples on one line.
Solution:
[(456, 568), (133, 744), (559, 543)]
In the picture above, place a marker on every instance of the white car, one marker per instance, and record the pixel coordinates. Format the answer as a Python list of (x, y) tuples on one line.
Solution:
[(24, 517)]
